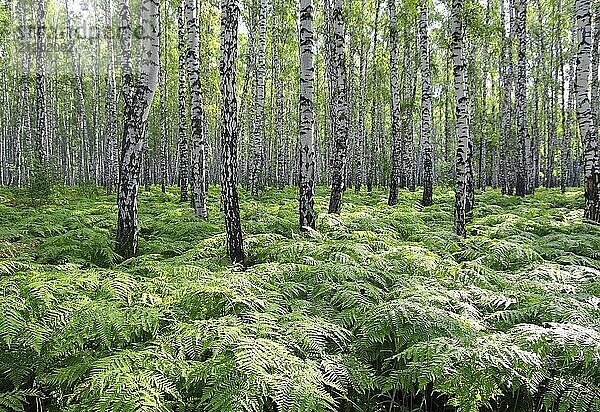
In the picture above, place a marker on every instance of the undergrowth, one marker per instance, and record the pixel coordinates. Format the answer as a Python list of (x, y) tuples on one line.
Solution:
[(379, 309)]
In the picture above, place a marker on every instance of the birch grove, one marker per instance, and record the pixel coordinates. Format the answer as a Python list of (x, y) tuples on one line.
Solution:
[(383, 95)]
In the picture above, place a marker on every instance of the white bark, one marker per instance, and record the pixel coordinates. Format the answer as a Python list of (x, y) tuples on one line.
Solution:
[(587, 127), (259, 114), (426, 109), (341, 107), (198, 138), (462, 118), (395, 107), (521, 99), (138, 94), (306, 171), (229, 130)]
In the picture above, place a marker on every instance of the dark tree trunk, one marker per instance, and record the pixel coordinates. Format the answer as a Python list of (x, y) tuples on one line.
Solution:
[(229, 130), (341, 108)]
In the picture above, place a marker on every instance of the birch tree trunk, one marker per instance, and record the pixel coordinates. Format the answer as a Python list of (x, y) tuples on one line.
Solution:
[(229, 130), (197, 138), (279, 132), (182, 141), (259, 114), (394, 108), (370, 150), (596, 66), (565, 138), (426, 109), (462, 119), (407, 170), (570, 115), (163, 60), (351, 97), (41, 136), (505, 64), (540, 84), (110, 121), (138, 93), (587, 127), (78, 86), (482, 174), (521, 98), (306, 172), (341, 108), (551, 103), (471, 78), (359, 154), (24, 162)]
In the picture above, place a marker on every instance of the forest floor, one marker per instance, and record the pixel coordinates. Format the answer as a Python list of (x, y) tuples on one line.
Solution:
[(380, 307)]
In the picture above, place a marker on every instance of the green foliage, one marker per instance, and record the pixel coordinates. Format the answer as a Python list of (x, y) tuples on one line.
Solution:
[(41, 183), (378, 308)]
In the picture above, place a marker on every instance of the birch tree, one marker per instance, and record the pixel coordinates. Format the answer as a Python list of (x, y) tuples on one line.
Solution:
[(407, 170), (396, 135), (521, 98), (341, 109), (138, 93), (110, 108), (359, 154), (279, 111), (585, 120), (426, 108), (259, 113), (78, 88), (182, 141), (163, 70), (394, 107), (40, 93), (22, 166), (229, 130), (198, 139), (462, 118), (505, 69), (306, 172)]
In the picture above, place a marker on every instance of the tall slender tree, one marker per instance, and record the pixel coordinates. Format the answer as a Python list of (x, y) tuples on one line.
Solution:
[(394, 107), (258, 133), (229, 130), (111, 166), (521, 98), (585, 119), (505, 69), (359, 153), (41, 136), (24, 161), (369, 151), (182, 143), (407, 170), (80, 102), (306, 171), (163, 60), (138, 93), (462, 118), (279, 103), (341, 108), (198, 139), (426, 108)]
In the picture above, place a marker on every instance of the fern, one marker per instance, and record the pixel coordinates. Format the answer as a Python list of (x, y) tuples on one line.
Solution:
[(379, 308)]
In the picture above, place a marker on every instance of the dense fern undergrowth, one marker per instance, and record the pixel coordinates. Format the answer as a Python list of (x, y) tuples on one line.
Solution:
[(379, 309)]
